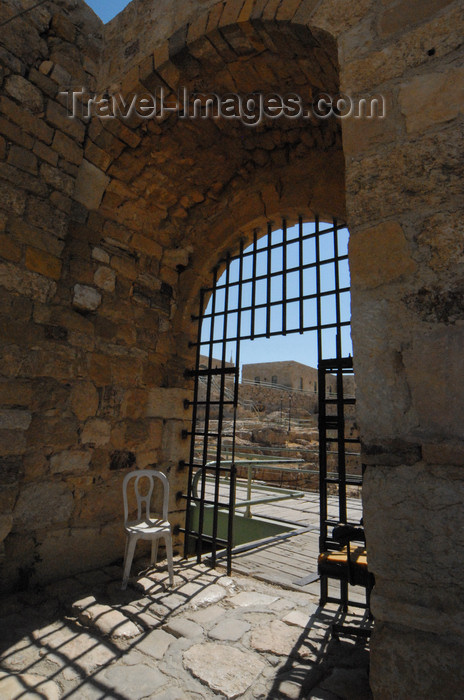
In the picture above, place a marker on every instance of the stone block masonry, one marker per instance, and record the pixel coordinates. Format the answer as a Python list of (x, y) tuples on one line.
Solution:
[(108, 230)]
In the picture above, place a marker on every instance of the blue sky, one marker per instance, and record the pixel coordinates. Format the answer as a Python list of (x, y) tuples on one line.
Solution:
[(107, 9)]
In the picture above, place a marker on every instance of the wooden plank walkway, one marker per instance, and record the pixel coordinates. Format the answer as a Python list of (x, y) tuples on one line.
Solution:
[(286, 560)]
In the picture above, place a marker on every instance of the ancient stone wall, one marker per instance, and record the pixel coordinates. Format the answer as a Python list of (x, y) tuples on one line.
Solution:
[(404, 195), (267, 399), (109, 229)]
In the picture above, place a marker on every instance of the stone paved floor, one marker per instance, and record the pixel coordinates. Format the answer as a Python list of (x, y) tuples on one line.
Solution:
[(210, 636)]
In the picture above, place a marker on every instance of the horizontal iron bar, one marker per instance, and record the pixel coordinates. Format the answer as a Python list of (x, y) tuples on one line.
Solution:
[(278, 303), (350, 482), (203, 536), (331, 599), (264, 334), (212, 371), (305, 266), (270, 499), (335, 363)]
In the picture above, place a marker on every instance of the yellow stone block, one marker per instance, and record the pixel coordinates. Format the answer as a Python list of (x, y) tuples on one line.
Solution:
[(379, 255), (43, 263)]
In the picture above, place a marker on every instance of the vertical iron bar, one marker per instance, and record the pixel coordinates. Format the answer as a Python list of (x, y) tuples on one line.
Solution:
[(220, 416), (253, 287), (337, 291), (322, 456), (300, 255), (233, 468), (194, 426), (269, 269), (318, 290), (206, 429), (341, 446), (284, 277)]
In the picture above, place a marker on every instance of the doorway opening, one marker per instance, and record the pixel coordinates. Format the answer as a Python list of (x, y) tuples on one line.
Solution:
[(290, 284)]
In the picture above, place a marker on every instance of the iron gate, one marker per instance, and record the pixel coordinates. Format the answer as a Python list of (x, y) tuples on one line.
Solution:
[(293, 279)]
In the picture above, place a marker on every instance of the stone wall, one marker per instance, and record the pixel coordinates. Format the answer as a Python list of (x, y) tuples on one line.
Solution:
[(404, 197), (109, 230), (292, 374), (266, 400)]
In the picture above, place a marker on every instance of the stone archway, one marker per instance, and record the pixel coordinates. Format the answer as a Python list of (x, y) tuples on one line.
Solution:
[(105, 246)]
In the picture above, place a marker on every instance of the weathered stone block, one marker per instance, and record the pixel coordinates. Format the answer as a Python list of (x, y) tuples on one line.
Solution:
[(66, 551), (25, 282), (84, 400), (30, 123), (146, 245), (224, 669), (407, 12), (57, 179), (136, 681), (428, 100), (406, 664), (434, 391), (167, 403), (90, 185), (100, 255), (58, 117), (12, 199), (100, 158), (23, 91), (15, 419), (177, 256), (44, 216), (441, 34), (81, 650), (45, 153), (43, 263), (105, 278), (380, 255), (105, 620), (15, 134), (63, 28), (13, 685), (67, 148), (96, 432), (86, 298), (280, 639), (426, 570), (41, 505), (229, 630), (23, 159), (70, 461), (55, 432), (10, 250)]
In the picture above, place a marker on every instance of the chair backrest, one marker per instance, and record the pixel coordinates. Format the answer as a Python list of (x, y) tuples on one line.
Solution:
[(144, 501)]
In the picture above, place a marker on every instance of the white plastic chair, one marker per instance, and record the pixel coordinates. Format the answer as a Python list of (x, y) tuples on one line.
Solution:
[(146, 527)]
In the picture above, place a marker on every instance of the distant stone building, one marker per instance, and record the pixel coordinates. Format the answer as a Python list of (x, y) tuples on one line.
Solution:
[(290, 374)]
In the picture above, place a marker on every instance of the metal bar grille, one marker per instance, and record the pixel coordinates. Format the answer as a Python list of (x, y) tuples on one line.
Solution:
[(289, 280)]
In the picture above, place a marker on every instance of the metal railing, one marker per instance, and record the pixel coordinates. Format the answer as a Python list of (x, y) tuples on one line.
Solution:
[(271, 463), (282, 494), (279, 387)]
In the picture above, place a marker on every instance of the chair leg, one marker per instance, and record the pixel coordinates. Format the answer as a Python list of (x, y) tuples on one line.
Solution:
[(344, 595), (168, 540), (324, 591), (130, 549), (154, 551)]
